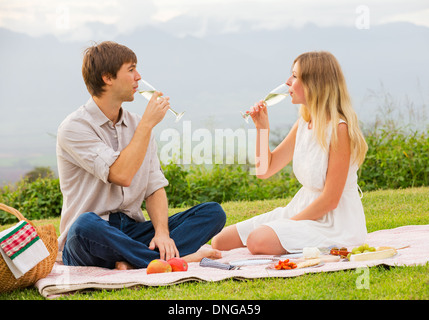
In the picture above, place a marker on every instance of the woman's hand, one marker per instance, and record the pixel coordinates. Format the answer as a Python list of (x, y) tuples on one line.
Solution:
[(259, 115)]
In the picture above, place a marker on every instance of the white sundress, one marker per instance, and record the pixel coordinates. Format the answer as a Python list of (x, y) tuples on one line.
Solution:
[(343, 226)]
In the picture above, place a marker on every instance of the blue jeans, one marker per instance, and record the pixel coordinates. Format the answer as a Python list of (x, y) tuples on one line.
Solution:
[(92, 241)]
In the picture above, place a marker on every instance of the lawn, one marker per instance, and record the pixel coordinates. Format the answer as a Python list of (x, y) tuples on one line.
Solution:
[(384, 210)]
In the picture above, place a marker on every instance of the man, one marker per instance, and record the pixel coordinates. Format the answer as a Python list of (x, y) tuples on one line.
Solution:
[(108, 165)]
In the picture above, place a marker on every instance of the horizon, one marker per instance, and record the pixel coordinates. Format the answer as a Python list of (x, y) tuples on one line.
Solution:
[(212, 60)]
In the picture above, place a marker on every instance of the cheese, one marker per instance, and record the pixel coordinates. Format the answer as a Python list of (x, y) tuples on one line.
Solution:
[(307, 263), (311, 253), (375, 255), (329, 258)]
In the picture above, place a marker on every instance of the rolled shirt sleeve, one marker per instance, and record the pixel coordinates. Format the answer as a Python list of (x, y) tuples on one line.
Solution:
[(86, 150)]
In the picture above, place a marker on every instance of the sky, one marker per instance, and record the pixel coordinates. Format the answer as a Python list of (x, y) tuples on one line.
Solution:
[(75, 19), (76, 23)]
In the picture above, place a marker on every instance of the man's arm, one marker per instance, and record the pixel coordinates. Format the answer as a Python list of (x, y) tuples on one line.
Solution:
[(157, 208), (130, 159), (123, 170)]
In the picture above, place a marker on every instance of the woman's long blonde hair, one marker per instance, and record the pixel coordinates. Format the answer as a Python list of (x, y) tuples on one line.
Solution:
[(328, 99)]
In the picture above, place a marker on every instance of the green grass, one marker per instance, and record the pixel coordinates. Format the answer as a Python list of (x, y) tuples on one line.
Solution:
[(384, 210)]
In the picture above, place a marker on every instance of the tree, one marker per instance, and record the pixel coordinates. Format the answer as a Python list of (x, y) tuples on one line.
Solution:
[(39, 172)]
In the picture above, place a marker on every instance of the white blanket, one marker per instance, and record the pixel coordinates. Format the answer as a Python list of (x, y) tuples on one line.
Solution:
[(65, 279)]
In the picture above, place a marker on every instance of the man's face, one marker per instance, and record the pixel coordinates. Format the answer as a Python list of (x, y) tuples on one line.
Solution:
[(126, 82)]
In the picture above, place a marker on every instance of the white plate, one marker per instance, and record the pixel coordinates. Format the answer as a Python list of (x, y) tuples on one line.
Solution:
[(291, 256), (252, 262), (272, 267)]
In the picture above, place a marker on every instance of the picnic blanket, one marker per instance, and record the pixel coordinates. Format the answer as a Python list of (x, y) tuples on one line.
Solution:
[(65, 279)]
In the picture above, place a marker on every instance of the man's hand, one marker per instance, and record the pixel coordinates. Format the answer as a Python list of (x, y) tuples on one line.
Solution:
[(156, 109), (157, 209), (166, 246)]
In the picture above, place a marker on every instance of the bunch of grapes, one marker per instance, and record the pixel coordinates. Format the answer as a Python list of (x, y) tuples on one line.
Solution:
[(361, 249)]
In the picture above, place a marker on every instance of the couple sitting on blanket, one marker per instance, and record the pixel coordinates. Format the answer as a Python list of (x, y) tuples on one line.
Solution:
[(108, 165)]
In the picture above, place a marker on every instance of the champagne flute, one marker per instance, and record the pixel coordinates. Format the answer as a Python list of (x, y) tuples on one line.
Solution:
[(275, 96), (147, 90)]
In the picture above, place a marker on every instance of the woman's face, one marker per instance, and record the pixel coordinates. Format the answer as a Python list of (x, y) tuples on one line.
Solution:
[(296, 89)]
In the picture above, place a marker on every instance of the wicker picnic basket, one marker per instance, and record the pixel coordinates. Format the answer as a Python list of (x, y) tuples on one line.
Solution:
[(49, 237)]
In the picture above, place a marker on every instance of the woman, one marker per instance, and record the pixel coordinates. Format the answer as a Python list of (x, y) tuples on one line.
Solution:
[(327, 147)]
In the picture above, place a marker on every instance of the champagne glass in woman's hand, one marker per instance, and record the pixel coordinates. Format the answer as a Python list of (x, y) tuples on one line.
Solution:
[(275, 96), (146, 90)]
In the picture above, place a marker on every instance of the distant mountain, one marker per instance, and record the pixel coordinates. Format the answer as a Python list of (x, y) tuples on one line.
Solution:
[(212, 78)]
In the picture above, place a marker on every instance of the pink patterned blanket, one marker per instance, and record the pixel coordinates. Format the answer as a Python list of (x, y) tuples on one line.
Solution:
[(65, 279)]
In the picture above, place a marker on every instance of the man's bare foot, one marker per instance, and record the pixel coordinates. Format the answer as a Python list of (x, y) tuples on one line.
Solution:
[(123, 265), (203, 253)]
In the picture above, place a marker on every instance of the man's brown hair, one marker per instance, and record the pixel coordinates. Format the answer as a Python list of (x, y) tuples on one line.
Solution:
[(105, 58)]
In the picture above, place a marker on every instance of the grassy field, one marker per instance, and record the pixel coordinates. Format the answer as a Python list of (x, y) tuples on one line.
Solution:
[(383, 209)]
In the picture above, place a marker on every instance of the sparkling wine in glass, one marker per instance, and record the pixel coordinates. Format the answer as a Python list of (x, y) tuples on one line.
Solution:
[(147, 90), (275, 96)]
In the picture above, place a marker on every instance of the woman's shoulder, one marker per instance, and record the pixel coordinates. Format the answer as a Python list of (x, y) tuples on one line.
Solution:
[(301, 122)]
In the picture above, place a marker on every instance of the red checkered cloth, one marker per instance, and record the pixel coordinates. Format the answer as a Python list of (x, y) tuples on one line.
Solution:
[(18, 240)]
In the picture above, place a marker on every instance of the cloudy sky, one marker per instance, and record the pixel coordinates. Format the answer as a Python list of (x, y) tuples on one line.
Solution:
[(396, 62), (75, 19)]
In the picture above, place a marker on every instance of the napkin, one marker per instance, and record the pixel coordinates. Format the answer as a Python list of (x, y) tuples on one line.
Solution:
[(21, 248), (206, 262)]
